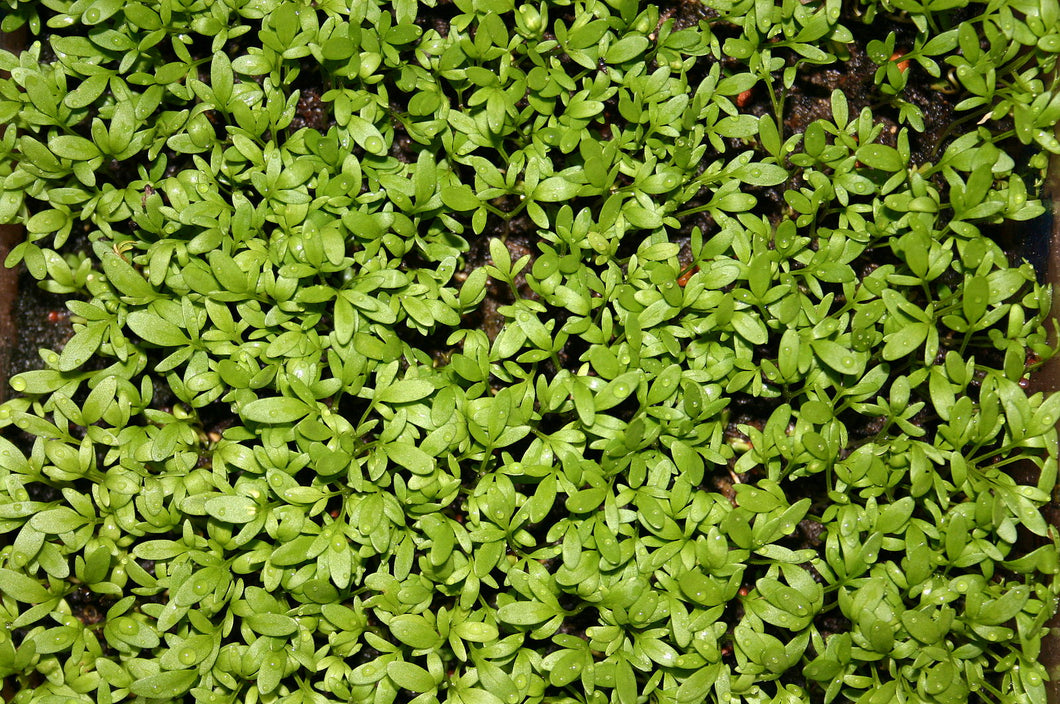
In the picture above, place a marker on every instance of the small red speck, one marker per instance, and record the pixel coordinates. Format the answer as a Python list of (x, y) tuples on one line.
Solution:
[(54, 316), (744, 591), (902, 65), (726, 649), (683, 278), (334, 513), (744, 98)]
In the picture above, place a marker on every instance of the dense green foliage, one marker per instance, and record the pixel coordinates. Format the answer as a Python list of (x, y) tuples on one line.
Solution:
[(290, 460)]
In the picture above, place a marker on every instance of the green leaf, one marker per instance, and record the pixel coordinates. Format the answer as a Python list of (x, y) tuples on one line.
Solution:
[(405, 391), (478, 696), (586, 500), (366, 135), (22, 588), (626, 49), (500, 256), (165, 685), (525, 613), (414, 631), (11, 458), (839, 357), (476, 631), (156, 329), (275, 625), (80, 348), (410, 457), (410, 676), (58, 520), (641, 217), (976, 298), (697, 687), (880, 156), (555, 189), (73, 147), (278, 409), (252, 65), (758, 174), (86, 93), (904, 341), (750, 327), (460, 198), (221, 78), (232, 509)]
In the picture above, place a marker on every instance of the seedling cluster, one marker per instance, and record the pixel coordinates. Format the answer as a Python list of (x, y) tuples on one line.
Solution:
[(488, 352)]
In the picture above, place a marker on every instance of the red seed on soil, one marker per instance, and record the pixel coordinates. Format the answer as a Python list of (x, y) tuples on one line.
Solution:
[(902, 65), (744, 98), (683, 278)]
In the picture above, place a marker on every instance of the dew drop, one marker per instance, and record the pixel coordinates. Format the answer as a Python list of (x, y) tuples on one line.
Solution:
[(373, 144), (186, 656)]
